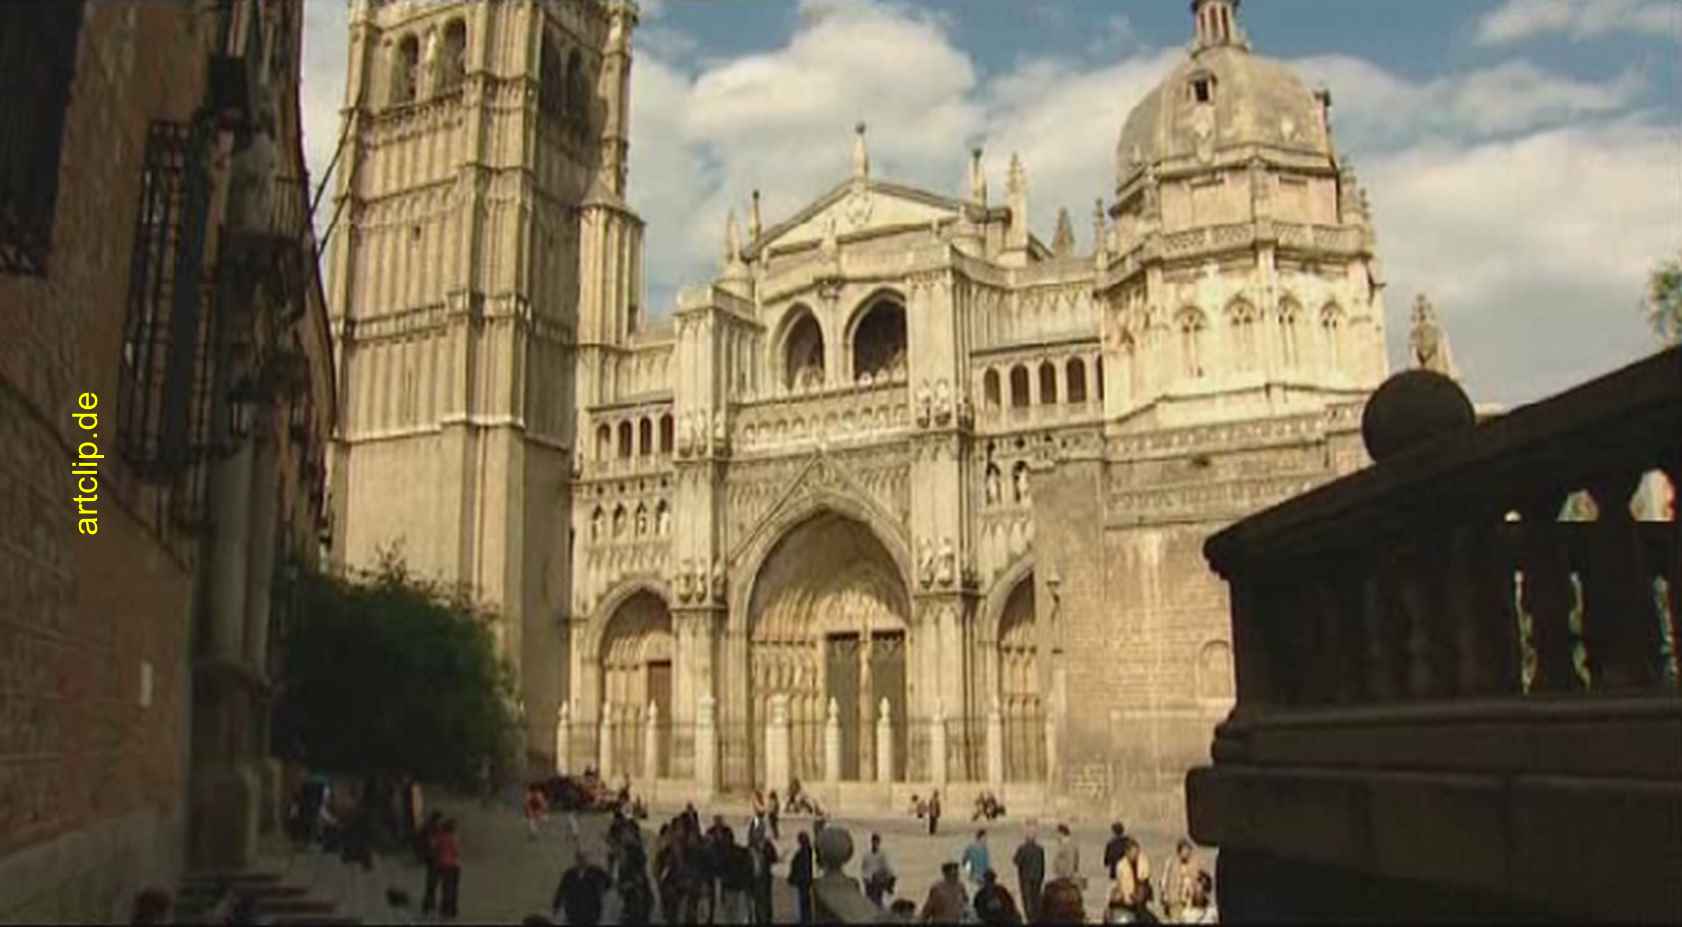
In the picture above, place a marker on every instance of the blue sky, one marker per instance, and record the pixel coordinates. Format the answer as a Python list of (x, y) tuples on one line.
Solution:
[(1524, 157)]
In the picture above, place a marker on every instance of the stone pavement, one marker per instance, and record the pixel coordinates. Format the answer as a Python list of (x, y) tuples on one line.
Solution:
[(506, 875)]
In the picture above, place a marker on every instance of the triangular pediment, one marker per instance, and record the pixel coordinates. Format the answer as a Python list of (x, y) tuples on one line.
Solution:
[(857, 206)]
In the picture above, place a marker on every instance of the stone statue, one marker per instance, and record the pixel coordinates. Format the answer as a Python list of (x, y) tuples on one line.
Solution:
[(619, 523), (642, 522), (596, 525), (1427, 342), (251, 184), (719, 581), (942, 401), (830, 247), (665, 521), (861, 155), (1151, 205), (924, 403), (732, 240), (685, 585), (992, 484), (948, 568), (721, 430), (1020, 478), (926, 562), (966, 412), (755, 228)]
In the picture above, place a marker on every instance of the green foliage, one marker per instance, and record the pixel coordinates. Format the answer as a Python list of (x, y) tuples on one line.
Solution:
[(390, 673), (1664, 300)]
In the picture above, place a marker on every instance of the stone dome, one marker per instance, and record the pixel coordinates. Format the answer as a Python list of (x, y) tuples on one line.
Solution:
[(1411, 408), (1222, 97)]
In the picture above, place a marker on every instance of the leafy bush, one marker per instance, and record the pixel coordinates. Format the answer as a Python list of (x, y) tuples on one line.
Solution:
[(389, 673)]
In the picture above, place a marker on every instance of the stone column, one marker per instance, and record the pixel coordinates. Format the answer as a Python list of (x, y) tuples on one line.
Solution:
[(832, 743), (885, 744), (776, 744), (651, 743), (604, 744), (260, 561), (995, 746), (706, 746), (563, 739), (230, 558), (937, 744)]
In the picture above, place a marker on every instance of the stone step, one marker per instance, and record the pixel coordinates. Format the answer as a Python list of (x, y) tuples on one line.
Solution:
[(296, 906), (233, 877)]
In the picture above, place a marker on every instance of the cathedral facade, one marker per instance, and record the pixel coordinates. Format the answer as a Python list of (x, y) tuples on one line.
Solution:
[(904, 496)]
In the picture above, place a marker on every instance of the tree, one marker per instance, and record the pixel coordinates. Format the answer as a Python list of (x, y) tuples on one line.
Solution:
[(1664, 299), (388, 673)]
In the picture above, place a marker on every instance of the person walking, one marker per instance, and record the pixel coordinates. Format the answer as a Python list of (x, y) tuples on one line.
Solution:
[(1201, 908), (774, 813), (934, 812), (1131, 894), (735, 883), (448, 861), (427, 847), (876, 872), (1030, 872), (1115, 848), (534, 811), (636, 896), (1180, 881), (764, 858), (1066, 864), (975, 859), (946, 902), (800, 876), (582, 891), (993, 904)]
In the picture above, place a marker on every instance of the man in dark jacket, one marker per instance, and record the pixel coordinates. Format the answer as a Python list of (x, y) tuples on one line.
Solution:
[(993, 904), (1115, 849), (581, 891), (764, 857), (800, 876), (1030, 874)]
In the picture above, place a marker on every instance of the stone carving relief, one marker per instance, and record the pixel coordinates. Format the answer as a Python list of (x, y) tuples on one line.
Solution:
[(719, 581), (942, 402), (926, 564), (925, 404), (946, 572)]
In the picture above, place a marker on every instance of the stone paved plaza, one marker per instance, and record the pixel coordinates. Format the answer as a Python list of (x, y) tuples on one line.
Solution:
[(506, 875)]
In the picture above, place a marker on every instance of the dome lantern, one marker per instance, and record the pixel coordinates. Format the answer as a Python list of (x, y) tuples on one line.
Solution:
[(1216, 24)]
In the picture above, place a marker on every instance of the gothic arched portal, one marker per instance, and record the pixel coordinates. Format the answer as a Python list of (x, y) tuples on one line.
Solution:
[(1019, 686), (636, 671), (827, 620)]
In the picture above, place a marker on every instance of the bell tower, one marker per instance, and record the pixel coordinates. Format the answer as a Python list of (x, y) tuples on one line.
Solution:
[(1216, 23), (477, 139)]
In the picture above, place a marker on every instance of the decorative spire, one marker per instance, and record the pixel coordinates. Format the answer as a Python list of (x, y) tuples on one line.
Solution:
[(1063, 240), (861, 156), (1016, 181), (1216, 24), (1100, 233), (732, 239), (977, 177), (755, 228)]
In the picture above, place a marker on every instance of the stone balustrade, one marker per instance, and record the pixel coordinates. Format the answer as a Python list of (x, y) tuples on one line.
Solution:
[(836, 416), (1458, 668)]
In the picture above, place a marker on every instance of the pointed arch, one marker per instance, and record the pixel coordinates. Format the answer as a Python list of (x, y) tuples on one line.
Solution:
[(799, 348), (1241, 324), (1290, 333), (876, 333), (405, 70), (1332, 326), (1048, 383), (1075, 372), (452, 63), (1193, 328), (990, 391), (1019, 395)]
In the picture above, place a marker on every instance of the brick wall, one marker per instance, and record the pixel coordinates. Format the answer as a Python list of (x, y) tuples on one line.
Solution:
[(91, 782)]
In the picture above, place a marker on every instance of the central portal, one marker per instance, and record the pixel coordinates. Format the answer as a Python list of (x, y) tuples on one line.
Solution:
[(827, 626)]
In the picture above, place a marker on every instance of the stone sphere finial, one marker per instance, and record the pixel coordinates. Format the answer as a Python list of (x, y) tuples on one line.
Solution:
[(834, 847), (1410, 408)]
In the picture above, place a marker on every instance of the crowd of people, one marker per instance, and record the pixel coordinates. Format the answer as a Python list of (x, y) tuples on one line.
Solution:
[(688, 873)]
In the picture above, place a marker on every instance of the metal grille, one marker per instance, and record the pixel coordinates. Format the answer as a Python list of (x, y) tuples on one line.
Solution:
[(166, 332), (37, 63), (192, 487)]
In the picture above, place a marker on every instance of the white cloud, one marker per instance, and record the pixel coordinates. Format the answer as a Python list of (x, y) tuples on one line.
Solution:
[(1372, 107), (326, 57), (1516, 20)]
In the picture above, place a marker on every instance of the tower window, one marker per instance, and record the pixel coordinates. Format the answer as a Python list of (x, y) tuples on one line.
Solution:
[(1203, 90), (37, 64)]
